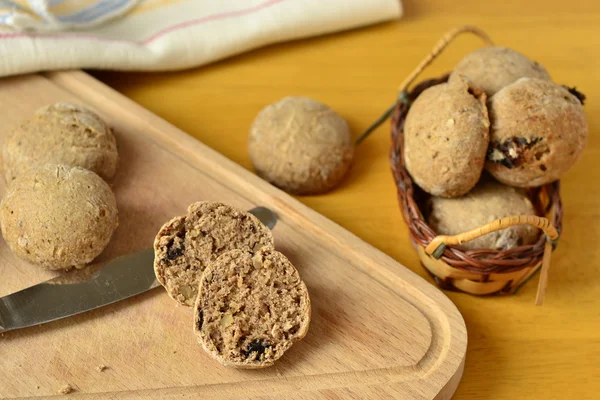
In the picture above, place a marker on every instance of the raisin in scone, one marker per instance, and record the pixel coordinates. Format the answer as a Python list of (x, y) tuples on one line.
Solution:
[(185, 245), (251, 308)]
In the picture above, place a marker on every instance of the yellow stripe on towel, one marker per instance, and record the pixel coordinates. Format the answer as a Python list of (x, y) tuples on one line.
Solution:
[(151, 5), (68, 7)]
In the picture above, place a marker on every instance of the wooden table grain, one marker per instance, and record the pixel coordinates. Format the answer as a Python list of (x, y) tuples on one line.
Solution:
[(516, 350)]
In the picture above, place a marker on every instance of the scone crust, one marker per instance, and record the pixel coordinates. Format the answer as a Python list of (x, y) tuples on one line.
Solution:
[(185, 245), (58, 216), (64, 134), (492, 68), (538, 133), (446, 136), (251, 308), (488, 201), (301, 146)]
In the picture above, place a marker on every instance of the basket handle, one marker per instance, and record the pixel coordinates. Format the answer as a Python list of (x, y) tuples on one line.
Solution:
[(439, 47), (436, 247), (433, 54), (438, 244)]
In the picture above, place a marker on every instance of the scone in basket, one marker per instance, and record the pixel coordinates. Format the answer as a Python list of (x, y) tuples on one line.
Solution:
[(483, 271)]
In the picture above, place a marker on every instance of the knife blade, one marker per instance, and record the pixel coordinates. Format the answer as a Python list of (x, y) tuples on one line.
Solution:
[(116, 280)]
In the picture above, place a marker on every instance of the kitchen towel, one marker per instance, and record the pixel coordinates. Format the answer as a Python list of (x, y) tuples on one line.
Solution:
[(154, 35)]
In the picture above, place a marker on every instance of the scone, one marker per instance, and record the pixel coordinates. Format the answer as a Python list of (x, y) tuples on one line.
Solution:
[(251, 308), (58, 216), (492, 68), (488, 201), (185, 245), (61, 134), (301, 146), (446, 139), (538, 132)]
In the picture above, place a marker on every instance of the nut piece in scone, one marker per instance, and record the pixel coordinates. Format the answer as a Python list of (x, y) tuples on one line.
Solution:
[(251, 308), (185, 245), (64, 134), (446, 138), (492, 68), (488, 201), (538, 132), (300, 145), (58, 216)]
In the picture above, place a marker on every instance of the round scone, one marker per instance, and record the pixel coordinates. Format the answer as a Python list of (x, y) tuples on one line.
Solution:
[(492, 68), (300, 145), (185, 245), (61, 134), (538, 132), (58, 216), (446, 139), (488, 201), (251, 308)]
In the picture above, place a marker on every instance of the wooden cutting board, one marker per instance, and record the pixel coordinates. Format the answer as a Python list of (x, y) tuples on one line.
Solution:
[(378, 330)]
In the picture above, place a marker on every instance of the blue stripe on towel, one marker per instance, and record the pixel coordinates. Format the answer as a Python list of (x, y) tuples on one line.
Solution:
[(94, 12)]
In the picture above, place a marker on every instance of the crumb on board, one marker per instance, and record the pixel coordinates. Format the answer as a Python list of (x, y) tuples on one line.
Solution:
[(66, 389), (101, 367)]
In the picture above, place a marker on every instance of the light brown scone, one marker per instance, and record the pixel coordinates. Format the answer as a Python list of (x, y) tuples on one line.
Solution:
[(492, 68), (58, 216), (251, 308), (185, 245), (488, 201), (538, 132), (300, 145), (61, 134), (446, 139)]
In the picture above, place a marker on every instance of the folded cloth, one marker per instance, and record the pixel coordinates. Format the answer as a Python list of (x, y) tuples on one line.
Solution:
[(60, 15), (37, 35)]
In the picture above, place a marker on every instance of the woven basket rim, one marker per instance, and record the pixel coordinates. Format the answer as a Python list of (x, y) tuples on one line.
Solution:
[(480, 261)]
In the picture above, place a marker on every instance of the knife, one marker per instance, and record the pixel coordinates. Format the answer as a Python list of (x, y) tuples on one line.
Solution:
[(118, 279)]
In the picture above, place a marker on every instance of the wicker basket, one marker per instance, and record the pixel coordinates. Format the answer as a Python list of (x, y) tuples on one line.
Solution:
[(478, 272)]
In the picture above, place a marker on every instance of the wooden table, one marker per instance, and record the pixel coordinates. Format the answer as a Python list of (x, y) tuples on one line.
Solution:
[(516, 350)]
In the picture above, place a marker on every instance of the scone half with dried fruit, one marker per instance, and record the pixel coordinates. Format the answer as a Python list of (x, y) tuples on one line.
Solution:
[(185, 245), (251, 308)]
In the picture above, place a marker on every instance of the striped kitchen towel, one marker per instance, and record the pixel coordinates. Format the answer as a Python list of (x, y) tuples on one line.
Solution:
[(37, 35), (58, 15)]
